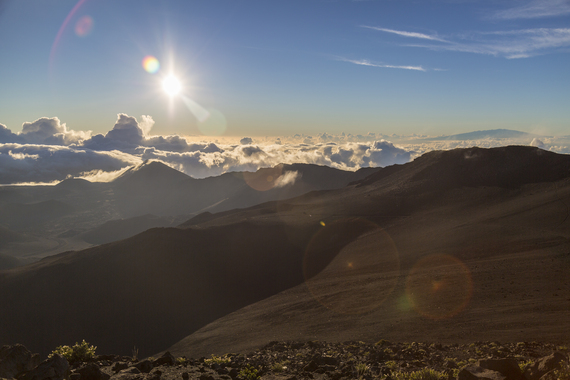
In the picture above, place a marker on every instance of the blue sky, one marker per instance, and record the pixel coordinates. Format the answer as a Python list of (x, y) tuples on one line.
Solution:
[(281, 67)]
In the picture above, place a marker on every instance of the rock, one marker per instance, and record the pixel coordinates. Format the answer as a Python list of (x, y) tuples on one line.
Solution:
[(507, 367), (144, 366), (545, 365), (91, 371), (154, 375), (131, 373), (474, 372), (75, 376), (15, 360), (328, 360), (119, 366), (185, 376), (311, 367), (166, 359), (54, 368)]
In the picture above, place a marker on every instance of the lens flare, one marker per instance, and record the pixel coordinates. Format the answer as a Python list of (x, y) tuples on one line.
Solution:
[(358, 277), (84, 26), (171, 85), (150, 64), (439, 286)]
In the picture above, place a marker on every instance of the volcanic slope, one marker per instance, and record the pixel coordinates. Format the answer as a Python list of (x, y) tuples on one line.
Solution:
[(461, 245), (76, 213)]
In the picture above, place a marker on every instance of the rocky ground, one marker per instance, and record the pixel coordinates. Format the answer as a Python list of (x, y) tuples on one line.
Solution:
[(311, 360)]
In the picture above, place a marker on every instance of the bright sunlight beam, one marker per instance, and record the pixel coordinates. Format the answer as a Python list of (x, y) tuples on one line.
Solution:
[(171, 85)]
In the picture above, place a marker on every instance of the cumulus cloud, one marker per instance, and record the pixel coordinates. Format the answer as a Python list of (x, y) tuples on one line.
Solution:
[(537, 143), (51, 131), (6, 136), (287, 179), (47, 163), (104, 157)]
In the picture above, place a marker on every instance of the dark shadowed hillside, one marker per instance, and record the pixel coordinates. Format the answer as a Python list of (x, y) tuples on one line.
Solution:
[(437, 249), (74, 209)]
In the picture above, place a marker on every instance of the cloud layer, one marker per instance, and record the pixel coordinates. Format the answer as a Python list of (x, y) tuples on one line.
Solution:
[(46, 151)]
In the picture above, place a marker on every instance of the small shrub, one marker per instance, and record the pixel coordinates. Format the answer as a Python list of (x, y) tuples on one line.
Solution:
[(278, 367), (181, 360), (224, 359), (423, 374), (80, 352), (383, 342), (392, 365), (524, 365), (249, 373), (563, 373), (361, 370)]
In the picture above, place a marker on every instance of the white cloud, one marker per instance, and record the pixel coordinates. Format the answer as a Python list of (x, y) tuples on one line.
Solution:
[(51, 131), (522, 43), (6, 136), (246, 141), (510, 44), (535, 9), (364, 62), (406, 34), (47, 163), (287, 179), (103, 157)]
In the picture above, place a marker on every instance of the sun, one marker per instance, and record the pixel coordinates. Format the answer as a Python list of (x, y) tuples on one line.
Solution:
[(171, 85)]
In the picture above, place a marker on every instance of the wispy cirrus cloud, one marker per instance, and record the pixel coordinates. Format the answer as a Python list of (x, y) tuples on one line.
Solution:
[(535, 9), (510, 44), (365, 62), (406, 34), (522, 43)]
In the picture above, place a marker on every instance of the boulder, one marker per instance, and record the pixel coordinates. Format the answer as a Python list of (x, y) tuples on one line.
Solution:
[(544, 365), (144, 366), (91, 371), (54, 368), (15, 360), (507, 367), (474, 372), (166, 359)]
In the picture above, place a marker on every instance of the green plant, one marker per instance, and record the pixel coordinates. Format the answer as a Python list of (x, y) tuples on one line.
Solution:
[(80, 352), (361, 370), (423, 374), (564, 372), (181, 360), (278, 367), (524, 365), (383, 342), (249, 373), (392, 365), (224, 359)]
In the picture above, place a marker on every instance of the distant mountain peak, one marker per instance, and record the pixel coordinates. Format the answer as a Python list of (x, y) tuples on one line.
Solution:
[(489, 133), (151, 171)]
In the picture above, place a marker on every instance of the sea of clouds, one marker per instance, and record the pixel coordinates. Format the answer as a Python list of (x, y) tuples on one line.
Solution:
[(46, 151)]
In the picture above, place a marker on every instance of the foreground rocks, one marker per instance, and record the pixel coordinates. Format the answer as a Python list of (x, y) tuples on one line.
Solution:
[(312, 360)]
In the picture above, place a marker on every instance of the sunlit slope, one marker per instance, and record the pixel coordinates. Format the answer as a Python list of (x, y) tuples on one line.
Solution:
[(480, 251), (503, 248)]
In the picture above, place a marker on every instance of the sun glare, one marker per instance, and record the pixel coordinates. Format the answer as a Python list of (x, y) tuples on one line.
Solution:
[(171, 85)]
